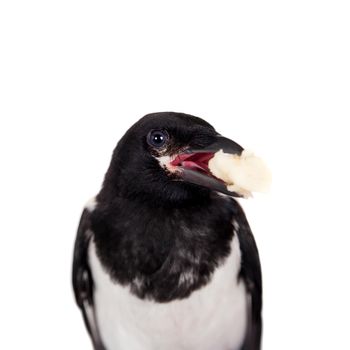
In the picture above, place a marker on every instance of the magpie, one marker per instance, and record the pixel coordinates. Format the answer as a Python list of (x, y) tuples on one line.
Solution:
[(164, 258)]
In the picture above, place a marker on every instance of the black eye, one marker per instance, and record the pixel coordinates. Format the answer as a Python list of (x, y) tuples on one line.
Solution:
[(157, 138)]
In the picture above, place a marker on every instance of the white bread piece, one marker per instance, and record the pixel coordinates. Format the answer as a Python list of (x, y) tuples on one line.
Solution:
[(242, 174)]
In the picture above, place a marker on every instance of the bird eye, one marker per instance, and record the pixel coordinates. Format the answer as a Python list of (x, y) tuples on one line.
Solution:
[(157, 138)]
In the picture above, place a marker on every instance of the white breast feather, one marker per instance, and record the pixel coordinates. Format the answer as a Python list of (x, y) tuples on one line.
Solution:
[(213, 317)]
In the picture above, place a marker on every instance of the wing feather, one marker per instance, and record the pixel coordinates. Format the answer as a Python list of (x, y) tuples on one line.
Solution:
[(251, 274), (82, 279)]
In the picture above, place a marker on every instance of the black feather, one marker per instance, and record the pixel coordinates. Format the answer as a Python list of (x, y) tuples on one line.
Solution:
[(82, 279)]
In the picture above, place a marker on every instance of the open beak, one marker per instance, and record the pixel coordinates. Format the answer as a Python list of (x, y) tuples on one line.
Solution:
[(193, 165)]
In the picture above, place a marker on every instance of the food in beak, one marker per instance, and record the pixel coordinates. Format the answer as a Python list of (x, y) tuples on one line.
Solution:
[(242, 174)]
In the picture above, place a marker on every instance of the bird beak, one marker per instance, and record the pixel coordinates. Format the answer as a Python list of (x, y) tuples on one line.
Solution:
[(192, 164)]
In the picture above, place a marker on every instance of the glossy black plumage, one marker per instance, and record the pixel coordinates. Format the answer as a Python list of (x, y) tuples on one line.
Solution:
[(149, 226)]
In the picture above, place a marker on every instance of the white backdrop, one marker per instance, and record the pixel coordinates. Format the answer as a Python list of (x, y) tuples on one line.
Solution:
[(272, 75)]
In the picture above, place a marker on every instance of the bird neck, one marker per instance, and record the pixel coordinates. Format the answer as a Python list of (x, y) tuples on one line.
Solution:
[(149, 247)]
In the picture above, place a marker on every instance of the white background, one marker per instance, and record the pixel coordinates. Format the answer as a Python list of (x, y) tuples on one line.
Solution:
[(272, 75)]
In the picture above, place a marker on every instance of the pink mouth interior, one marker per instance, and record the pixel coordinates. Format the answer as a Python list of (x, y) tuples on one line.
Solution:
[(194, 161)]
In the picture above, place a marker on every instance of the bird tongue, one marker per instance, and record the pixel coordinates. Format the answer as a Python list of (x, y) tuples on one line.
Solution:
[(194, 161)]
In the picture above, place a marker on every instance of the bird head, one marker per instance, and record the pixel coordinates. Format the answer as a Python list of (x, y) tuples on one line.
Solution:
[(164, 158)]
